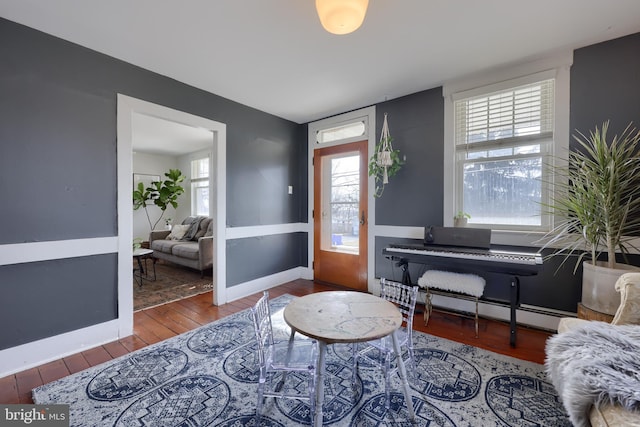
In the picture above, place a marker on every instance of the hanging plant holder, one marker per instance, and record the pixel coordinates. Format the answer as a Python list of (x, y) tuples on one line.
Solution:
[(384, 155), (385, 161)]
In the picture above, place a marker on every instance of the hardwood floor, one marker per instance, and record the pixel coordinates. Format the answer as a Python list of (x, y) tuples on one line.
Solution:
[(166, 321)]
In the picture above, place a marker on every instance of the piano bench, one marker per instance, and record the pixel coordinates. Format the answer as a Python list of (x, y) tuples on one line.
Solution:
[(466, 286)]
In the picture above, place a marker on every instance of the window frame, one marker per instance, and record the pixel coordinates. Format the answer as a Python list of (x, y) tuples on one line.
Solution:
[(193, 183), (342, 127), (544, 140), (556, 68)]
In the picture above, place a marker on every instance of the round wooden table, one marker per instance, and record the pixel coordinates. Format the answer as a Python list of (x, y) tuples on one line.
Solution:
[(345, 317)]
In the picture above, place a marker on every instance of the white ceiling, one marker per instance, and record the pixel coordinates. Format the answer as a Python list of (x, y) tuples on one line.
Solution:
[(159, 136), (274, 55)]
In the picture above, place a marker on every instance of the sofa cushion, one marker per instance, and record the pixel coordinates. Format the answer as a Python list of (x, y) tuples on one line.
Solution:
[(570, 323), (189, 250), (165, 246), (629, 311)]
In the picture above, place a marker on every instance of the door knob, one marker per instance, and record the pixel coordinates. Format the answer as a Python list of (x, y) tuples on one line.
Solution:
[(362, 220)]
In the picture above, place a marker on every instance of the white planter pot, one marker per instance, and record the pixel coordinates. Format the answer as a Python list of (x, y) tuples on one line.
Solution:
[(598, 290), (460, 222)]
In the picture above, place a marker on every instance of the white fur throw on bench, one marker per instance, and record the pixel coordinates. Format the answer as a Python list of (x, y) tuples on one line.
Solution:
[(595, 364), (468, 284)]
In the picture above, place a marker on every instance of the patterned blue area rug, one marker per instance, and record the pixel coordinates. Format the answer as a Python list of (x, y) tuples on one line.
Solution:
[(207, 377)]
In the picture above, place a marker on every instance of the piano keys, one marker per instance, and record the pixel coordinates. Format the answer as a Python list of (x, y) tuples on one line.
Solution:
[(498, 261)]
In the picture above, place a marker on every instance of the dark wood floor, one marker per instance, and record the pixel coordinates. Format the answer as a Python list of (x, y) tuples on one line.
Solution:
[(166, 321)]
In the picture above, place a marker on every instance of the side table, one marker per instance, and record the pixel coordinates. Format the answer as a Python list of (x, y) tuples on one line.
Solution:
[(142, 270)]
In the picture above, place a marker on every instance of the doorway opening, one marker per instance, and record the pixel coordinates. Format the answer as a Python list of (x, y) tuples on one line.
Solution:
[(161, 145), (131, 114)]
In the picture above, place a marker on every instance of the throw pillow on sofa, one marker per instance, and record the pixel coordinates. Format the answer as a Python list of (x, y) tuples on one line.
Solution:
[(178, 232)]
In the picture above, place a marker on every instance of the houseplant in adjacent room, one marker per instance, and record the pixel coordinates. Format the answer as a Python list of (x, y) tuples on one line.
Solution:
[(597, 209), (159, 193), (385, 161)]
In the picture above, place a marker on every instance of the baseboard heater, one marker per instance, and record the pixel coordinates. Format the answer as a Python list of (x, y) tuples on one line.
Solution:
[(542, 311)]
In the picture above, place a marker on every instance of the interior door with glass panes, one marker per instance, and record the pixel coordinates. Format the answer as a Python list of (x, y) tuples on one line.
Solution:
[(340, 215)]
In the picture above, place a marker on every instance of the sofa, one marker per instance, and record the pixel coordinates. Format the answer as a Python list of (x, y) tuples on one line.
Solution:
[(189, 244), (568, 365)]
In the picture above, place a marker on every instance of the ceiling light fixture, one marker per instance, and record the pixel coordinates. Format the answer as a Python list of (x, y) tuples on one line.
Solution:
[(341, 16)]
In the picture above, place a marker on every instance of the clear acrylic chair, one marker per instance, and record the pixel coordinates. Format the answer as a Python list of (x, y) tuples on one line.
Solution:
[(277, 359), (381, 352)]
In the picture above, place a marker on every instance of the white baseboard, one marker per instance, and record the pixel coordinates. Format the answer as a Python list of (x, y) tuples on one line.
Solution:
[(307, 273), (264, 283), (36, 353)]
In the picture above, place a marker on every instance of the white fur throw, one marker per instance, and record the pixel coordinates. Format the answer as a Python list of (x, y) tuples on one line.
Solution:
[(593, 365), (468, 284)]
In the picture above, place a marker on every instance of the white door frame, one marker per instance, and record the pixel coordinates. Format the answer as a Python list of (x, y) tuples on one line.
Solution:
[(368, 114), (127, 106)]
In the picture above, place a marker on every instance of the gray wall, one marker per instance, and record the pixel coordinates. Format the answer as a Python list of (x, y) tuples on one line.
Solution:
[(414, 197), (605, 84), (58, 176), (281, 252), (41, 299)]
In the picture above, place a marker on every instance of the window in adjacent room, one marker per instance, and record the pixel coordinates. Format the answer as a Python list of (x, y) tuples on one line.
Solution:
[(503, 140), (200, 187)]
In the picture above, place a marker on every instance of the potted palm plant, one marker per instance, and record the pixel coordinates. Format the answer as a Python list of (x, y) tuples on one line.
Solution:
[(597, 210)]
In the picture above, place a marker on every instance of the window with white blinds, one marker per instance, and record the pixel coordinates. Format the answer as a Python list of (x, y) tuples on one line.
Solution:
[(502, 140), (514, 113)]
